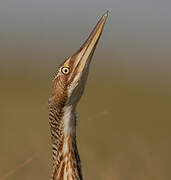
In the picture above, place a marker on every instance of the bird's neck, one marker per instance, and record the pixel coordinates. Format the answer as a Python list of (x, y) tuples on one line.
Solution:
[(66, 161)]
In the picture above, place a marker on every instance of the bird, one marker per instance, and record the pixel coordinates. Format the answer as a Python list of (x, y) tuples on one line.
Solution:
[(67, 88)]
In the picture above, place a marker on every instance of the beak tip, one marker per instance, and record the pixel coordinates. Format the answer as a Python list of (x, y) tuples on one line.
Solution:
[(106, 14), (104, 17)]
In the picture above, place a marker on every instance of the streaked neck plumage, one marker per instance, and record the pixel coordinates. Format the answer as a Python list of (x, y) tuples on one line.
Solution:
[(67, 89), (66, 161)]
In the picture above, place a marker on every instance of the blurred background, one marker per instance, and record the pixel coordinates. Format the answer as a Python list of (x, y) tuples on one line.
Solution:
[(124, 125)]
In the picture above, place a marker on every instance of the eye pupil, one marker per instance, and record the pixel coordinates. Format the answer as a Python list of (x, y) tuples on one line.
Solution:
[(65, 70)]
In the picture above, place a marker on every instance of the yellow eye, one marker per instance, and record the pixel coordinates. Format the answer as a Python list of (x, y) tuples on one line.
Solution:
[(65, 70)]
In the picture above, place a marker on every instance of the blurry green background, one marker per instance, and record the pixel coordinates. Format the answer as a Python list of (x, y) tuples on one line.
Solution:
[(124, 125)]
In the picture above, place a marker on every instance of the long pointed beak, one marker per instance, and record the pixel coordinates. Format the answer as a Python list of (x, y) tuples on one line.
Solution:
[(84, 54)]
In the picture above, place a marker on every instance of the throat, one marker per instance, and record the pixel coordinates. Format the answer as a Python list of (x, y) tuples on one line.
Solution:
[(66, 161)]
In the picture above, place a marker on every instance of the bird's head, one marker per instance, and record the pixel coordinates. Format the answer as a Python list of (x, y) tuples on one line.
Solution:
[(70, 78)]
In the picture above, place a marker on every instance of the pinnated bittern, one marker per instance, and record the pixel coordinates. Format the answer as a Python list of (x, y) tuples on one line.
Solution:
[(67, 89)]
